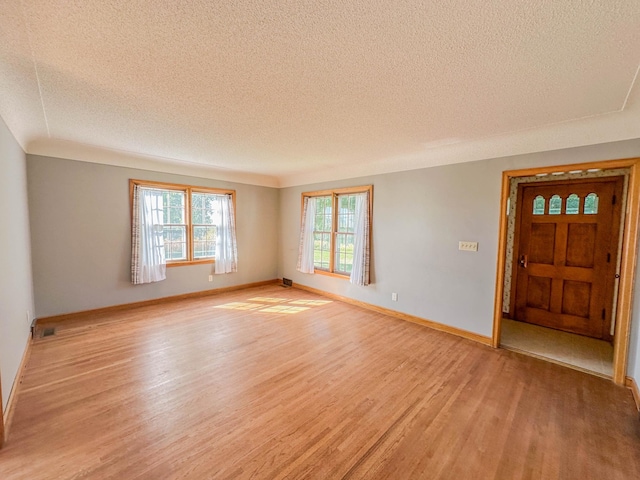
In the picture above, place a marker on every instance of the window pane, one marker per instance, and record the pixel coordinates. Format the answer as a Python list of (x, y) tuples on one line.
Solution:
[(344, 253), (165, 207), (174, 203), (196, 215), (327, 223), (555, 205), (173, 207), (175, 242), (319, 222), (326, 250), (204, 242), (321, 250), (317, 249), (178, 251), (538, 205), (346, 213), (573, 204), (204, 250), (203, 209), (323, 214), (322, 233), (591, 204), (197, 201), (322, 222)]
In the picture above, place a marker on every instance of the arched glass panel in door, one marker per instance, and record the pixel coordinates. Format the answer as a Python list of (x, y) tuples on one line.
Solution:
[(538, 205), (591, 204), (555, 205), (573, 204)]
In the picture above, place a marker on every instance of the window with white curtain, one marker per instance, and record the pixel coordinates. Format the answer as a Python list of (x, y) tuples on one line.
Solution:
[(197, 224), (335, 233), (148, 262)]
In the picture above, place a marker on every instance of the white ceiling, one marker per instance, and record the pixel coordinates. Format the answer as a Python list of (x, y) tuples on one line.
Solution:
[(283, 93)]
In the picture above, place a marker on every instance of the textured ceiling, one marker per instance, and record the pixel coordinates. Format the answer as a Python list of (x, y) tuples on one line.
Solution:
[(283, 93)]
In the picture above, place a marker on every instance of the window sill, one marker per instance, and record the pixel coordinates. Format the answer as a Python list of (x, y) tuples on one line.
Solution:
[(331, 274), (192, 262)]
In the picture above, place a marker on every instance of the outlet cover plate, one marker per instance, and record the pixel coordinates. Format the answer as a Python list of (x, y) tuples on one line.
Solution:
[(468, 246)]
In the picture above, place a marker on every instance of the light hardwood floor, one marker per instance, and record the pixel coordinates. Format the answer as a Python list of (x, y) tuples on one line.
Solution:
[(279, 383)]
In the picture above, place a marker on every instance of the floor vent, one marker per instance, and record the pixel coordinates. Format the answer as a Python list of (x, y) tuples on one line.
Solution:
[(287, 282), (48, 332)]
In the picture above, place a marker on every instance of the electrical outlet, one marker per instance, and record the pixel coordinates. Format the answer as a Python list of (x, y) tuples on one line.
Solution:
[(468, 246), (211, 278), (394, 297)]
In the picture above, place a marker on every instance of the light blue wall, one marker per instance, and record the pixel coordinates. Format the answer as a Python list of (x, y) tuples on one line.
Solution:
[(16, 290), (81, 226), (418, 218), (633, 369)]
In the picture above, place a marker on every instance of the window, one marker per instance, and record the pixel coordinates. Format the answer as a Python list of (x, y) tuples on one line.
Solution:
[(591, 204), (323, 226), (335, 228), (555, 205), (191, 219), (573, 204), (538, 205), (345, 223), (204, 213)]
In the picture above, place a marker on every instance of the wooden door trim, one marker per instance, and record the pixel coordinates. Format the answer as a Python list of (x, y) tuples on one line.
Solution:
[(628, 254)]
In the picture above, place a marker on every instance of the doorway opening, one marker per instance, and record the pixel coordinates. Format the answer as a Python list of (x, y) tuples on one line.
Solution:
[(566, 259)]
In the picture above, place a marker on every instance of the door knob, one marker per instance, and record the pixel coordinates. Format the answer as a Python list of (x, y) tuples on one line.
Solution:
[(524, 261)]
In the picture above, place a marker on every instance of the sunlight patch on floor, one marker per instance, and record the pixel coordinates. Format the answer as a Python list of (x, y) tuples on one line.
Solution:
[(241, 306), (269, 299)]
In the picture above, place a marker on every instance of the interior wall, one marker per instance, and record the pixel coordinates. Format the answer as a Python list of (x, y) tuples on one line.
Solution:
[(418, 219), (81, 230), (16, 291), (633, 369)]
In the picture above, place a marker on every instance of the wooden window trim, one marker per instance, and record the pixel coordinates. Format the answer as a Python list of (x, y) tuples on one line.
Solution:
[(334, 193), (188, 189)]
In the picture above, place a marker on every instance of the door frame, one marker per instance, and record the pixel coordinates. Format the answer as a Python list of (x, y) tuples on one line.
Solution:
[(628, 253)]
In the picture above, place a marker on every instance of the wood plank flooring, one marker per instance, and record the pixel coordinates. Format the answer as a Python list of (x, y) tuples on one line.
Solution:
[(273, 383)]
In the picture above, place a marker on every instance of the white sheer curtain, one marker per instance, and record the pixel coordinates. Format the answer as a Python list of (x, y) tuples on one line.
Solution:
[(361, 243), (305, 249), (147, 245), (226, 248)]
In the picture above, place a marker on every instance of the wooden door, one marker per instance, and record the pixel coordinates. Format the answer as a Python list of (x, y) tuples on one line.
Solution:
[(567, 243)]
